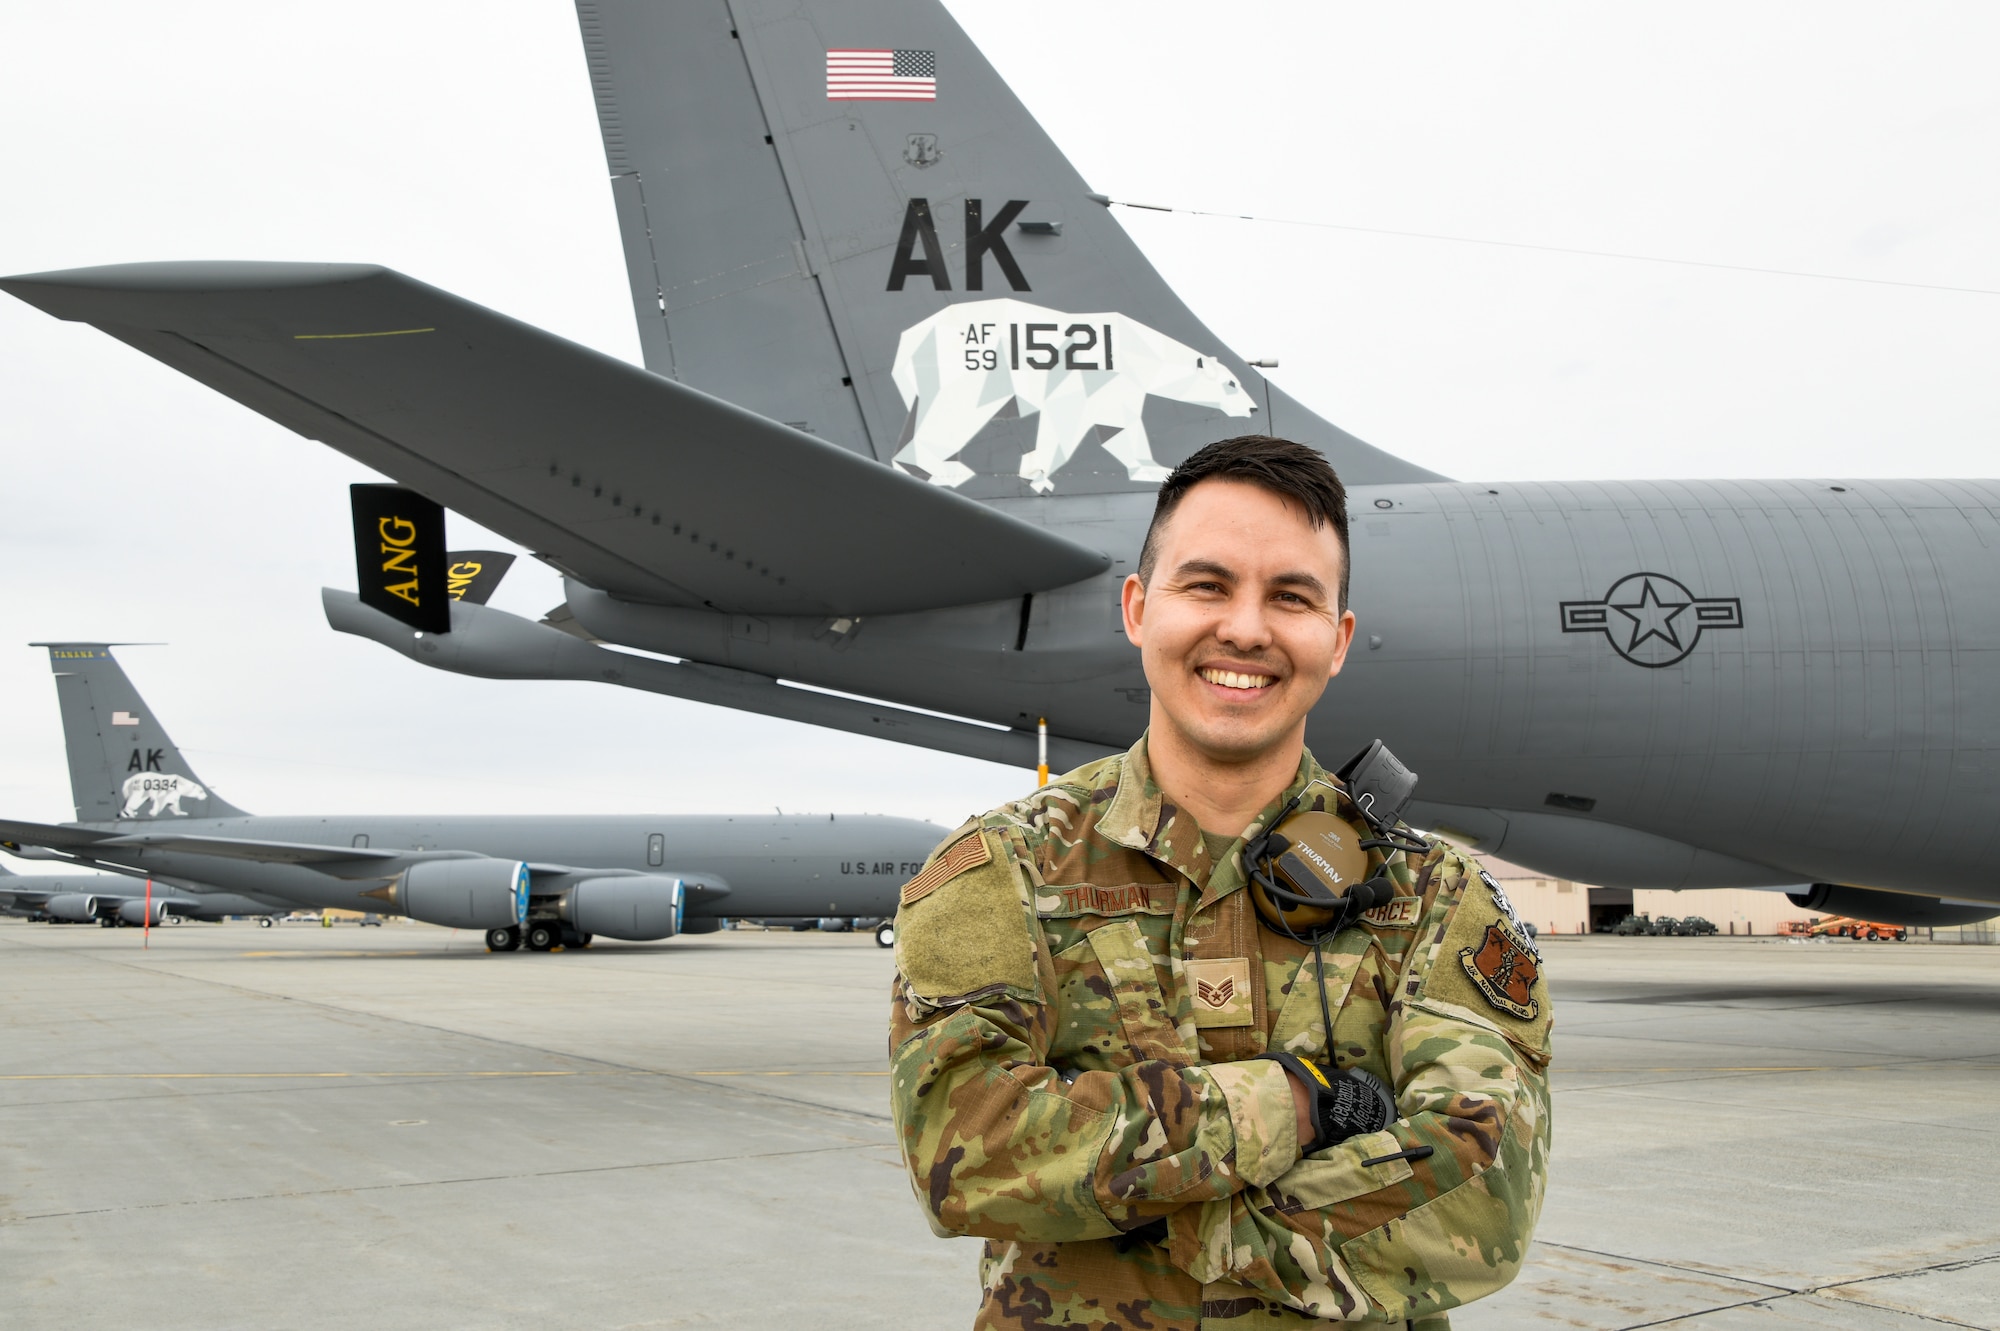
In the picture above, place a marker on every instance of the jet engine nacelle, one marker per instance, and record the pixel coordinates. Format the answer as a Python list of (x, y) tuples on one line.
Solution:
[(134, 912), (1867, 903), (78, 907), (165, 911), (638, 908), (465, 894)]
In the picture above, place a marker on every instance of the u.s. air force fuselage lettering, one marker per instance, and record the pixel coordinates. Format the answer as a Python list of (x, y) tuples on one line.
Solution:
[(920, 254), (901, 868), (1651, 619)]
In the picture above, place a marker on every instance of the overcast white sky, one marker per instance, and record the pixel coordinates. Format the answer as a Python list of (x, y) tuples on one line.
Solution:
[(456, 141)]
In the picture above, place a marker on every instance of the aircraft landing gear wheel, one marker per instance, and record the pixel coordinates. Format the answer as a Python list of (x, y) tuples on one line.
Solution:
[(885, 934), (503, 940), (572, 939), (263, 921), (542, 937)]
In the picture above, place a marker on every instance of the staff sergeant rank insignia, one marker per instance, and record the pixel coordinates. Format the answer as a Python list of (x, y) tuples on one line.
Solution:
[(1504, 971)]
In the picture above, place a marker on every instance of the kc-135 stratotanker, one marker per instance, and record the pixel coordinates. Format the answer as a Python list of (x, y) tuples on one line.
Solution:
[(540, 881), (908, 389)]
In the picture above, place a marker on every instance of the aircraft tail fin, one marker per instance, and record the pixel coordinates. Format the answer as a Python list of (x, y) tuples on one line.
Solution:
[(122, 762), (839, 216)]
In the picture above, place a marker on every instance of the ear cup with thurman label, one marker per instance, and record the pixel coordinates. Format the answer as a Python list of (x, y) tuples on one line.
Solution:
[(1315, 859)]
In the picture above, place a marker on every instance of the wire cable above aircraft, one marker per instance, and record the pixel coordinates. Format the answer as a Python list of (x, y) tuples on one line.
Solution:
[(1110, 202)]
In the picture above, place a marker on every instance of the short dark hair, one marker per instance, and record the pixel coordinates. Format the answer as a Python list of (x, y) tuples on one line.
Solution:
[(1292, 471)]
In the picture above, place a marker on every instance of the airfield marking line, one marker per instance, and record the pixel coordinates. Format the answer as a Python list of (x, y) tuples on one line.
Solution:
[(445, 1182), (1779, 1292), (300, 1076), (1723, 1045), (131, 963), (340, 955), (284, 1076), (1820, 1067), (1668, 1266), (1657, 1091), (800, 1072), (341, 337), (1772, 1299)]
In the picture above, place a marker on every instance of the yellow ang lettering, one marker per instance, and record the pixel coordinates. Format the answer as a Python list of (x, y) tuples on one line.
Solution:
[(399, 539)]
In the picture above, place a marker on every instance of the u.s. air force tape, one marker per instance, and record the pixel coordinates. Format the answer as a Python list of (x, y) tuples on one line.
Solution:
[(968, 852)]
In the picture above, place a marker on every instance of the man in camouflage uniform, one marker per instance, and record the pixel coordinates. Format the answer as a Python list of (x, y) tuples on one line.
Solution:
[(1086, 1000)]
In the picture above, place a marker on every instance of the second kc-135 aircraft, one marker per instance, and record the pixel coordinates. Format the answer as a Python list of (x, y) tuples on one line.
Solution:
[(111, 899), (542, 881), (909, 387)]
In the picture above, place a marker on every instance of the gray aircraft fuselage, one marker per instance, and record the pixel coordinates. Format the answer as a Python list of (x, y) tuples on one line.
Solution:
[(774, 865), (1811, 682), (909, 388)]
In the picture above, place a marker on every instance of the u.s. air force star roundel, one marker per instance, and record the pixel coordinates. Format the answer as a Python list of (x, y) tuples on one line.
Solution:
[(1652, 620), (1504, 970)]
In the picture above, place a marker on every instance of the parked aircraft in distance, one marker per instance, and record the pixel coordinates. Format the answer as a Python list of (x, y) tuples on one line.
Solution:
[(542, 881), (909, 388), (112, 899)]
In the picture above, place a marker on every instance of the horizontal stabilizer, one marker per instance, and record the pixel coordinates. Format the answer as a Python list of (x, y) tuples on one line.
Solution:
[(640, 486), (492, 644), (14, 834)]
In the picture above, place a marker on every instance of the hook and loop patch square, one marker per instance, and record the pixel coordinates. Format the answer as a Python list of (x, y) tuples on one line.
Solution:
[(968, 852), (1220, 987)]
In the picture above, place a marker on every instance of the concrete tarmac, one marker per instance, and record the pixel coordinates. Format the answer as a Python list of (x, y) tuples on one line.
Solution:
[(391, 1128)]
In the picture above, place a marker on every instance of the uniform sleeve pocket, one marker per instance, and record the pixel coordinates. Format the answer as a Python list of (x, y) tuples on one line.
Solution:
[(1453, 1249), (1336, 1176)]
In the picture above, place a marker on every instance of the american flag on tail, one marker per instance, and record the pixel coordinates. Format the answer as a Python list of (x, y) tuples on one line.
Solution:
[(881, 76)]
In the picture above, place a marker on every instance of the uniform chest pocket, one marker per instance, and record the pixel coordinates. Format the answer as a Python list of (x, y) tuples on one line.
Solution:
[(1300, 1027), (1111, 1011)]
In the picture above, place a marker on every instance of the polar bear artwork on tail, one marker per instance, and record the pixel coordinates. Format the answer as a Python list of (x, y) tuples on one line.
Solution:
[(163, 790), (959, 367)]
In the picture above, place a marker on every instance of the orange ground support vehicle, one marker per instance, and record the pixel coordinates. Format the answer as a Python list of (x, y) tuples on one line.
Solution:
[(1840, 926)]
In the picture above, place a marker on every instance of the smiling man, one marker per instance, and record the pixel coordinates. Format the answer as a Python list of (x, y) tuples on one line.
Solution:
[(1164, 1097)]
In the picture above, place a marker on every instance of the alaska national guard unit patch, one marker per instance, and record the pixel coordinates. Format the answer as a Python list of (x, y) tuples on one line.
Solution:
[(1504, 970)]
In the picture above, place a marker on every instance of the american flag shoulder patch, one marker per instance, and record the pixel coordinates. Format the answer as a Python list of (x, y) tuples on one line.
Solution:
[(881, 75), (968, 852)]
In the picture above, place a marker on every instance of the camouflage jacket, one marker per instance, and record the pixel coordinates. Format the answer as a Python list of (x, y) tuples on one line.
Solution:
[(1079, 1001)]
